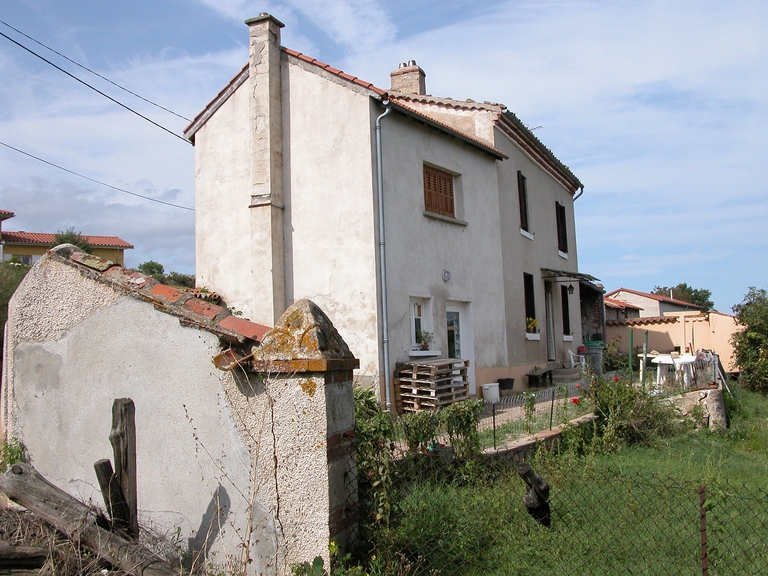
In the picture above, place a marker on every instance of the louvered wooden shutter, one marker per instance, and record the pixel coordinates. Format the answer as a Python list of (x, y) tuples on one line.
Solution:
[(438, 192)]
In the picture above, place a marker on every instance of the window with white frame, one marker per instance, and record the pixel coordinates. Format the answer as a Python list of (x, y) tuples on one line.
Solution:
[(421, 323)]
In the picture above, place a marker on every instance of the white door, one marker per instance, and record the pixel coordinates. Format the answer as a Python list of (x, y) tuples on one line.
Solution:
[(460, 344)]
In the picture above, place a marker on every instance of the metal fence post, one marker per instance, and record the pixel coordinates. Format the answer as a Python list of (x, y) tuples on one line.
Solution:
[(552, 407), (493, 412), (703, 529)]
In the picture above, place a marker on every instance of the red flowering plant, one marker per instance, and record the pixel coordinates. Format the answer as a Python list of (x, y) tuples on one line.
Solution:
[(575, 400)]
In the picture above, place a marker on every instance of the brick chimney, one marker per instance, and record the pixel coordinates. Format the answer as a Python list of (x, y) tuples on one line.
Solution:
[(409, 78)]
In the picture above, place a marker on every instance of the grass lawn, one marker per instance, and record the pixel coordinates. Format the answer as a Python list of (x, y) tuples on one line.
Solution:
[(634, 511)]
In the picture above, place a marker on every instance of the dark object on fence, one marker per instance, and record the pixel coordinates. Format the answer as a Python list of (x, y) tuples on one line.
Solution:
[(24, 485), (15, 558), (535, 500)]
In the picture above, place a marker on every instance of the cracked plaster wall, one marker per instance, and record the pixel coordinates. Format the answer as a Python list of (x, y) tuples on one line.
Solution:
[(75, 345)]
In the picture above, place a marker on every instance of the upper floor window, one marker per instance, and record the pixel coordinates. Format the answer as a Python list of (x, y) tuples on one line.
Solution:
[(522, 196), (438, 192), (562, 230)]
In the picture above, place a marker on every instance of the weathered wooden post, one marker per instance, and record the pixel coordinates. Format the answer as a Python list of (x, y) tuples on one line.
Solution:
[(123, 440)]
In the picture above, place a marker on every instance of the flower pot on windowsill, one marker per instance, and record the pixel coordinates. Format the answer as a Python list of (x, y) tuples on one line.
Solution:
[(425, 346)]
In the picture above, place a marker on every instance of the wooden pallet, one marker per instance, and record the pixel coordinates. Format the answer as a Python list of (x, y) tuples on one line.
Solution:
[(431, 384)]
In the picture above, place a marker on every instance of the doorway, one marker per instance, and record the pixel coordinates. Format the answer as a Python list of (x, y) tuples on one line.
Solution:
[(459, 337)]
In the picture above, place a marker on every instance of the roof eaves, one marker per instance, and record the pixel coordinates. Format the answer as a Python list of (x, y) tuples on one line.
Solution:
[(212, 106), (445, 128), (448, 102), (534, 144), (334, 71)]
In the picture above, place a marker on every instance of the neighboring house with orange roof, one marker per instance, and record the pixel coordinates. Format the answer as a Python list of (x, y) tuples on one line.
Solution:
[(395, 211), (618, 310), (671, 325), (651, 304), (28, 247)]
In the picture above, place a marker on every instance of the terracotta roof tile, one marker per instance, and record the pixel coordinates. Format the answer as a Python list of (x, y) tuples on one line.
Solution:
[(473, 140), (5, 214), (190, 310), (47, 239), (656, 297), (334, 71), (613, 303), (643, 321)]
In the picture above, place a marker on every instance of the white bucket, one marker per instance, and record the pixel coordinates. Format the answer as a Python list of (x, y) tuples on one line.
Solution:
[(491, 392)]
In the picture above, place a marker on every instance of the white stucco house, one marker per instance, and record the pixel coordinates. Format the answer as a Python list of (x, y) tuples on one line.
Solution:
[(396, 211)]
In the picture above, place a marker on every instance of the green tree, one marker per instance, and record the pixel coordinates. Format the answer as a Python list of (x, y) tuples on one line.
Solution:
[(150, 268), (751, 343), (698, 296), (157, 271), (72, 237)]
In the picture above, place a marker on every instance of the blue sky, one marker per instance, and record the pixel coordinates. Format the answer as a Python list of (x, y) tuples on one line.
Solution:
[(659, 107)]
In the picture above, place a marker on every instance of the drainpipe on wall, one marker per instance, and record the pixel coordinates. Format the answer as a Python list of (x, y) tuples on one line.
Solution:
[(382, 257), (581, 191)]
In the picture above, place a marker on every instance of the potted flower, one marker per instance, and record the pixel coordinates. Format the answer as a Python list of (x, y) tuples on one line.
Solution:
[(530, 325), (424, 338)]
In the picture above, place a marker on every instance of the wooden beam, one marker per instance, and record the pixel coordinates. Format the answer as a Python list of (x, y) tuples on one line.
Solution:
[(24, 485), (114, 499), (123, 440)]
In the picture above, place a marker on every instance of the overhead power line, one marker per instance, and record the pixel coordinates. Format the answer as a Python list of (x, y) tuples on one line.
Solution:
[(95, 89), (96, 181), (95, 73)]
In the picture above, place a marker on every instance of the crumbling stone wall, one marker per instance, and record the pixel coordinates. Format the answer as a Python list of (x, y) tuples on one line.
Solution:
[(246, 459)]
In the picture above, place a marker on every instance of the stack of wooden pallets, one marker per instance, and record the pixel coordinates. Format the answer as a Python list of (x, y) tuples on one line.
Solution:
[(428, 385)]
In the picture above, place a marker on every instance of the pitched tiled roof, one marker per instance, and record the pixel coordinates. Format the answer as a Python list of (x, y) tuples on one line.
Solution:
[(656, 297), (443, 127), (508, 123), (613, 303), (448, 102), (46, 239), (190, 310), (5, 214)]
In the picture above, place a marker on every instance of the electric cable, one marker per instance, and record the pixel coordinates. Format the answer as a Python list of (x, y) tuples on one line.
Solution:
[(95, 89), (96, 181), (95, 73)]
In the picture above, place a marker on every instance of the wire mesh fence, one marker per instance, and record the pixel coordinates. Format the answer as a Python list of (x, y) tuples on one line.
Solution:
[(454, 517), (435, 498)]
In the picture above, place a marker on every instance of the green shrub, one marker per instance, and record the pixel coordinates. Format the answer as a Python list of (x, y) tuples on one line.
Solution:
[(374, 433), (12, 451), (751, 342), (420, 429), (629, 415), (461, 420)]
